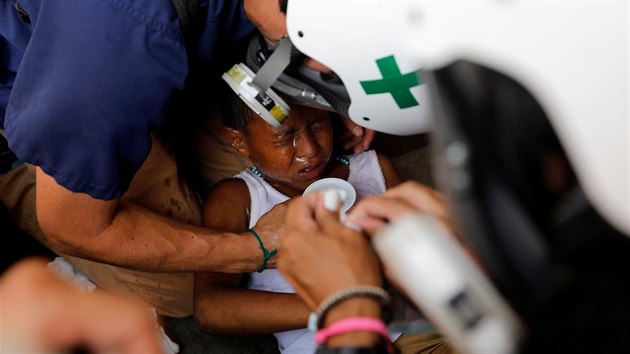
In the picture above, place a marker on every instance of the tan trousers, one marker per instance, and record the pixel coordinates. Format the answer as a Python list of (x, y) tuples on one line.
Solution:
[(158, 187), (423, 343)]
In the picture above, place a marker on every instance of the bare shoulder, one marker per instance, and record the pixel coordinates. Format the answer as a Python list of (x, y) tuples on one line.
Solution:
[(392, 178), (227, 205)]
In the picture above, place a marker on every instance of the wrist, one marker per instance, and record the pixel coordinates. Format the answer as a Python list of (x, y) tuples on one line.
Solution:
[(317, 318), (266, 253), (355, 339), (357, 307), (356, 332)]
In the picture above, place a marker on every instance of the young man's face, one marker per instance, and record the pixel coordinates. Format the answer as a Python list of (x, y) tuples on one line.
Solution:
[(297, 153)]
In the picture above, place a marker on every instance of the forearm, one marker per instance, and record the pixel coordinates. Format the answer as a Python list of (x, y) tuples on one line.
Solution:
[(125, 234), (139, 239), (249, 312), (147, 241)]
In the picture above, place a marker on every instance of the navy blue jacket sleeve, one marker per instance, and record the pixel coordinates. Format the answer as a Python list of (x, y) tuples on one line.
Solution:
[(94, 78)]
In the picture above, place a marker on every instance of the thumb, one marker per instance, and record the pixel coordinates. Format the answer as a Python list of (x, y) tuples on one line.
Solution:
[(327, 211)]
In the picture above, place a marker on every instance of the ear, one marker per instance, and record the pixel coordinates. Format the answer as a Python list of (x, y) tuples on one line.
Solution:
[(238, 141)]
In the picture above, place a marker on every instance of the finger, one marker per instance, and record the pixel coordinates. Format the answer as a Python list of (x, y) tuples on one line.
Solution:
[(328, 217), (104, 329), (301, 211), (369, 226), (359, 148), (352, 142), (300, 229), (380, 208), (353, 136), (300, 224), (368, 137), (344, 136), (421, 197), (352, 127), (327, 211)]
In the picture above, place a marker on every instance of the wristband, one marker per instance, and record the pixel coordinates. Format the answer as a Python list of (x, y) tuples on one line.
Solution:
[(266, 253), (353, 324), (316, 318)]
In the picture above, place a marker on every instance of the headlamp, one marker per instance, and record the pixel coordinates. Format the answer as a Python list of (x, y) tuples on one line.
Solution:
[(268, 105)]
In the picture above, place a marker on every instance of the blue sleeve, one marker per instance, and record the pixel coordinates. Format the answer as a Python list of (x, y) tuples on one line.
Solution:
[(95, 77), (226, 26)]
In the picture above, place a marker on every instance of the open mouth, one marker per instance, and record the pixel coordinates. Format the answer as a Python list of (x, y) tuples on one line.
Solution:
[(312, 171)]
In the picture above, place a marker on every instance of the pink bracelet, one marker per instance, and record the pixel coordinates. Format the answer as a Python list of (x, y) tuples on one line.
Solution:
[(353, 324)]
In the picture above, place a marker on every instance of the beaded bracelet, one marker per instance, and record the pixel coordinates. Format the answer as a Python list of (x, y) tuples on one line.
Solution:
[(316, 318), (266, 253)]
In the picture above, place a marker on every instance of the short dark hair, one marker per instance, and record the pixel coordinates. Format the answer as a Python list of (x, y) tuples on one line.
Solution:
[(283, 5), (235, 113)]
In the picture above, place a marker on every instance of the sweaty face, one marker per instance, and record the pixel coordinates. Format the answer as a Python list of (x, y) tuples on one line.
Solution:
[(294, 155)]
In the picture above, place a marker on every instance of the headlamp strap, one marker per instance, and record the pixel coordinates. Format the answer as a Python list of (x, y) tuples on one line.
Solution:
[(274, 66)]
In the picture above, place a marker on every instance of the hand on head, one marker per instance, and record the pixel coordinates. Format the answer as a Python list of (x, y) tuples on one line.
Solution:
[(355, 137)]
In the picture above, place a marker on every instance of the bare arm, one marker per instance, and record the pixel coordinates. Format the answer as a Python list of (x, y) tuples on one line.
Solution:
[(220, 304), (125, 234), (392, 178), (221, 307)]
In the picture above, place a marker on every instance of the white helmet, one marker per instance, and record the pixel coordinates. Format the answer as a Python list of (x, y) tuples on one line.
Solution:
[(555, 50), (386, 93), (375, 85), (529, 104), (572, 56)]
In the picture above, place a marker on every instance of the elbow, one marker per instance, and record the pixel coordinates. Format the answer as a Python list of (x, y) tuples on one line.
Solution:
[(70, 222), (211, 319), (204, 314), (57, 236), (208, 322), (56, 240), (70, 231)]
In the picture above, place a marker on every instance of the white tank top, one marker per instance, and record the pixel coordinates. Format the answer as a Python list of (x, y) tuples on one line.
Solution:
[(367, 178)]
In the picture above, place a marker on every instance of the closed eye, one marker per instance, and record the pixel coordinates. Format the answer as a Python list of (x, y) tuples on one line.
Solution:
[(284, 138), (318, 124)]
